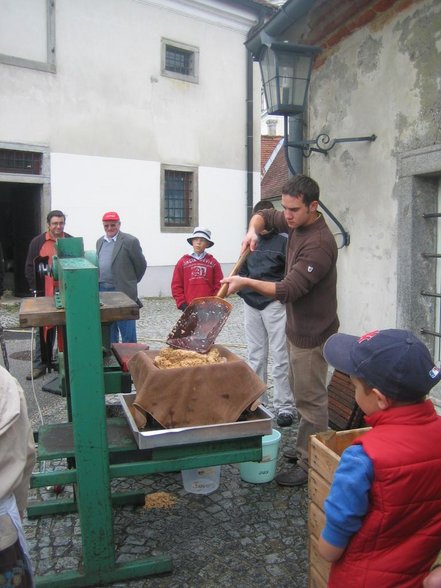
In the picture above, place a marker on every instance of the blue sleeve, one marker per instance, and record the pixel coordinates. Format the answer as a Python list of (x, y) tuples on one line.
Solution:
[(348, 499)]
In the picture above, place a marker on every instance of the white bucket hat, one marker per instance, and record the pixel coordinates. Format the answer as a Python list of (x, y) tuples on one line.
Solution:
[(200, 232)]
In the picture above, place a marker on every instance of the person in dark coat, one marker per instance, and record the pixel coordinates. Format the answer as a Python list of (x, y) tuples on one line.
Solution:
[(122, 265)]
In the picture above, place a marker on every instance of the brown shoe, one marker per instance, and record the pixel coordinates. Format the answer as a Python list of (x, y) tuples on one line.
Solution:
[(36, 373), (295, 477)]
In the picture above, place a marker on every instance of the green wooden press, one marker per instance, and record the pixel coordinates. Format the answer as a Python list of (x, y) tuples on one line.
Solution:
[(88, 438)]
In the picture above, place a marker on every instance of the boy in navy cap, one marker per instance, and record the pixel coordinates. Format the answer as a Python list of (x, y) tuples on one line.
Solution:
[(383, 512)]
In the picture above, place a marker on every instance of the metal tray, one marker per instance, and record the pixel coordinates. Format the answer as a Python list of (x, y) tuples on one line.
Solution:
[(260, 424)]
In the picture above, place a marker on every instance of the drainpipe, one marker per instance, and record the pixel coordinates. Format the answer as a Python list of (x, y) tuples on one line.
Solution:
[(295, 134), (250, 135)]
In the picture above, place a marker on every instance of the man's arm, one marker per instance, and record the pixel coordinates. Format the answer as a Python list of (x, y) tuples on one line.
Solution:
[(29, 264), (138, 259), (236, 283)]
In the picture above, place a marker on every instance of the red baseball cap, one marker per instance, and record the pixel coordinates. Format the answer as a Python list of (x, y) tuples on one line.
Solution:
[(111, 216)]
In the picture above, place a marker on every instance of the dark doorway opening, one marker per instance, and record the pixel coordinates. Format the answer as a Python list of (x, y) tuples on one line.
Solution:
[(20, 221)]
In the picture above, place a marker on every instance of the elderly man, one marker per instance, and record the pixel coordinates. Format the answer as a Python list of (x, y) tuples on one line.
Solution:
[(122, 266), (43, 246)]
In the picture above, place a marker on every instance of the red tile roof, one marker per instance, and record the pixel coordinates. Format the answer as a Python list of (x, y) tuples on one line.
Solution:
[(276, 175)]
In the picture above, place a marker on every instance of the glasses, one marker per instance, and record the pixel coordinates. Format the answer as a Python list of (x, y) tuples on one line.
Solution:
[(110, 225)]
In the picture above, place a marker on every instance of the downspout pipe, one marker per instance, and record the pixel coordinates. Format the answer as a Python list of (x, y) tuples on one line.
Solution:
[(293, 134), (250, 135)]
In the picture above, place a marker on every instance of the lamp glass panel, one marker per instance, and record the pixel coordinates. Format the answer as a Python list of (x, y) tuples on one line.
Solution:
[(268, 71), (294, 72)]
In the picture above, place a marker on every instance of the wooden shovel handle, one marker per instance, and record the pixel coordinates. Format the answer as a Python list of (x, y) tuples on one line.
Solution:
[(239, 263)]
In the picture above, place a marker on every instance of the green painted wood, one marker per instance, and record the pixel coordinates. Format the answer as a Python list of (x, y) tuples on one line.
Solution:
[(51, 507), (130, 570), (51, 478), (79, 288), (85, 442), (117, 381), (57, 440)]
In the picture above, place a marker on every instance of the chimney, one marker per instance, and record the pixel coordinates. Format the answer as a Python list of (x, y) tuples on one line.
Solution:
[(272, 127)]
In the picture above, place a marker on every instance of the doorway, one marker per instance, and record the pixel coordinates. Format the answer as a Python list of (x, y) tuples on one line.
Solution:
[(20, 221)]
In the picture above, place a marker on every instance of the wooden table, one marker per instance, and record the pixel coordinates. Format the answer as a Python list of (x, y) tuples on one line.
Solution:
[(41, 311)]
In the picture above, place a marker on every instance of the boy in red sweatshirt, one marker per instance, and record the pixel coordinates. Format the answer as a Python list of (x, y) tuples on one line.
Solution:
[(197, 274)]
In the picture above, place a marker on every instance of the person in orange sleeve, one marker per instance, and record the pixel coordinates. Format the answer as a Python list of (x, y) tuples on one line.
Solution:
[(43, 246)]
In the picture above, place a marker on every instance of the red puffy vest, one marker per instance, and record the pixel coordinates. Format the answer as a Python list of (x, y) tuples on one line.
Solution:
[(401, 534)]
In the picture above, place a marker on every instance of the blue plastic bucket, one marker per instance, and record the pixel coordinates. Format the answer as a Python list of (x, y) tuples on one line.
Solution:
[(258, 472)]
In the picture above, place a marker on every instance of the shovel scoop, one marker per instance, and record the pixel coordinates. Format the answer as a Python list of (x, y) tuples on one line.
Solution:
[(203, 319)]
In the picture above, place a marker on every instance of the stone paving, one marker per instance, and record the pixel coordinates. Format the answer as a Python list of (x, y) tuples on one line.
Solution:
[(242, 535)]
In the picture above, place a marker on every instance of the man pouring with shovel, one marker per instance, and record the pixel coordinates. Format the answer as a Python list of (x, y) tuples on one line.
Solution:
[(309, 292)]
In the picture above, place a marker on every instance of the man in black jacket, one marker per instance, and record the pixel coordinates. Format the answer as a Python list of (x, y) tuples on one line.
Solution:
[(43, 246), (265, 318)]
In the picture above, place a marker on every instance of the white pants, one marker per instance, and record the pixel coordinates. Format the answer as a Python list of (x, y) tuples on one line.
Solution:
[(265, 331)]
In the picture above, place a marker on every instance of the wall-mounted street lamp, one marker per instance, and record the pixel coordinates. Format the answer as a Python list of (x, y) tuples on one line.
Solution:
[(286, 73)]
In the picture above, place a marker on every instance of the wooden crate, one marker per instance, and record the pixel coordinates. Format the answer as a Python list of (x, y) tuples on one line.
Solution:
[(325, 450), (344, 413)]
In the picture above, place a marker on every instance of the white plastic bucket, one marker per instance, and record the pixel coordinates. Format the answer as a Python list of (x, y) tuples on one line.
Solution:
[(258, 472), (201, 480)]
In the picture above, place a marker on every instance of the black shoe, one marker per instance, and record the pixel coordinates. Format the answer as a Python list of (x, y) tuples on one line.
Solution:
[(295, 477), (36, 373), (291, 455), (285, 419)]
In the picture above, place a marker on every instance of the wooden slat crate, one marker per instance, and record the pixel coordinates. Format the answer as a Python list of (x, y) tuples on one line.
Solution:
[(325, 450), (343, 411)]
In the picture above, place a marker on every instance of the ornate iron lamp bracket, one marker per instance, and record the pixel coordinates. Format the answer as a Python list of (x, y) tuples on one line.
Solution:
[(323, 143)]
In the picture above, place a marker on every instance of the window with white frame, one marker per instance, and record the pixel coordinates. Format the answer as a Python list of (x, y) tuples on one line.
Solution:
[(178, 198), (180, 61)]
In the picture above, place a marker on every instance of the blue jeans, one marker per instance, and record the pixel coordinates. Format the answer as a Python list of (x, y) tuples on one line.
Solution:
[(127, 329)]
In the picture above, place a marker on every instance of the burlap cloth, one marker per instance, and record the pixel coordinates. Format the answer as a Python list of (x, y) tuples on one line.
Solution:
[(192, 396)]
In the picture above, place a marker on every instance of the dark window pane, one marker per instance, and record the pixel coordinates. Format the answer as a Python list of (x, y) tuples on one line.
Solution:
[(20, 162), (179, 60), (178, 198)]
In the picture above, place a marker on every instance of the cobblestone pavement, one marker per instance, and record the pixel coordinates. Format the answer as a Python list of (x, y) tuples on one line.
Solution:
[(242, 535)]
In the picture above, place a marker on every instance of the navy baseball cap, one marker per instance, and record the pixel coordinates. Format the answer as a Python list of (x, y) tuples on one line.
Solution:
[(393, 360)]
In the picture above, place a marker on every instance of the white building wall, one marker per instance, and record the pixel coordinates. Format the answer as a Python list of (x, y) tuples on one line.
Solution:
[(110, 119), (84, 187)]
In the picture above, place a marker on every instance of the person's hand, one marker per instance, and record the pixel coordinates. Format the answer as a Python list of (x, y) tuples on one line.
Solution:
[(235, 283), (250, 239), (433, 580)]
